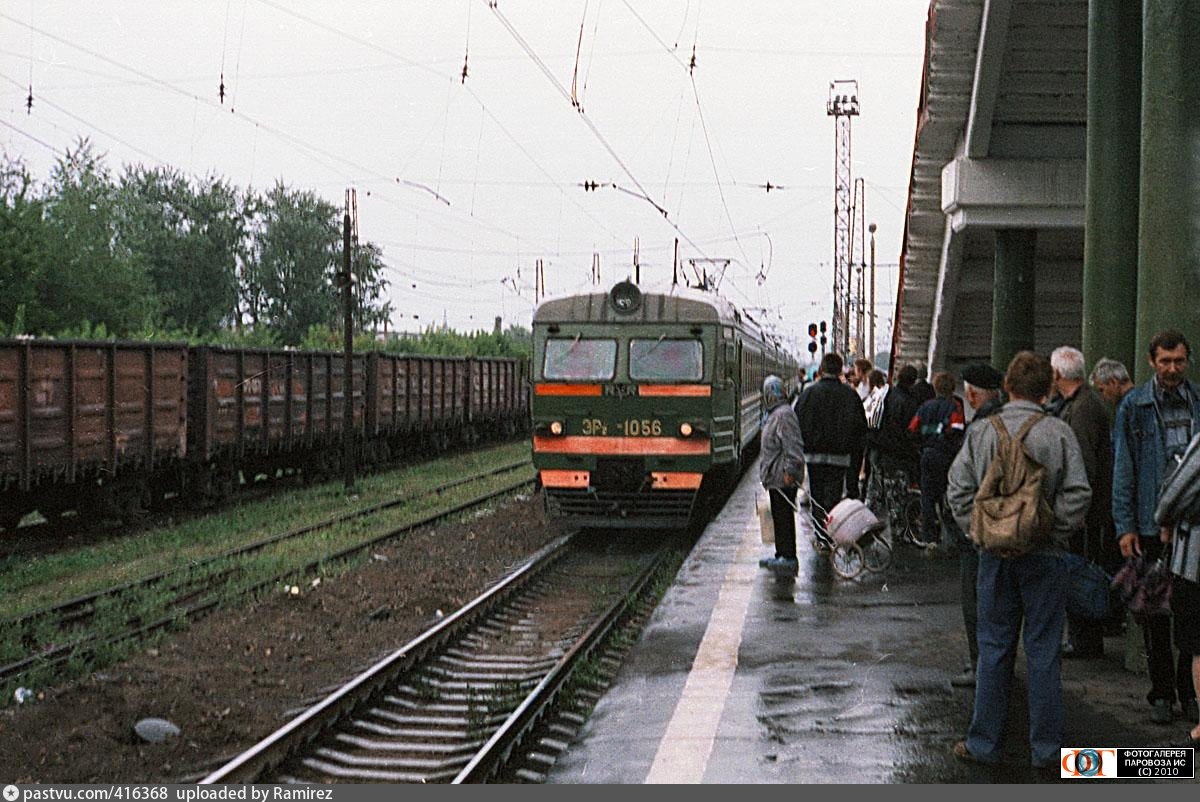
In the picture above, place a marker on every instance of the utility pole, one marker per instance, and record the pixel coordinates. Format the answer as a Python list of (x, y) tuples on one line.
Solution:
[(637, 265), (871, 355), (348, 354)]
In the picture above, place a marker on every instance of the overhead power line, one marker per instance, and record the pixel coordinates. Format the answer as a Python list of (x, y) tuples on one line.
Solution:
[(311, 151), (562, 90), (443, 76), (41, 142)]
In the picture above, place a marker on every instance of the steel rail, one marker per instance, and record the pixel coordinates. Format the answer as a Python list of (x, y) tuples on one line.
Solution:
[(276, 747), (491, 758), (60, 654)]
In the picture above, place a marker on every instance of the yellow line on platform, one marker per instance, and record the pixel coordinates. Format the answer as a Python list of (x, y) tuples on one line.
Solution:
[(688, 742)]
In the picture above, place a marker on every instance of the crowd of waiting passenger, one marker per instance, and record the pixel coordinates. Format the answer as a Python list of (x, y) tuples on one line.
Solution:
[(1109, 471)]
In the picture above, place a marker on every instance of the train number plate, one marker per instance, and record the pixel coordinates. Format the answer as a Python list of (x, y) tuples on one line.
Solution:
[(643, 427), (631, 427)]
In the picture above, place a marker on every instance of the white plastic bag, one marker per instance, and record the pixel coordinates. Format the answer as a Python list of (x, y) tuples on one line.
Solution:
[(765, 522)]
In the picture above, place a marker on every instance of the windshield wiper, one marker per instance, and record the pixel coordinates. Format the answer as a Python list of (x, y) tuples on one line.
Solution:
[(657, 343)]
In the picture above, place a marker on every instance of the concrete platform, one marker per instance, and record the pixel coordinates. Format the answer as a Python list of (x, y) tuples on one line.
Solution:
[(742, 677)]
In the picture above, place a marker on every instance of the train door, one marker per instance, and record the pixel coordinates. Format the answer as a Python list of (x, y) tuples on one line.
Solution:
[(738, 394)]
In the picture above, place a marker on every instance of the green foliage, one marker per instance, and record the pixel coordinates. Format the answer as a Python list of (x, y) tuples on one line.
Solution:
[(22, 245), (295, 261), (86, 275), (516, 341), (158, 255), (189, 239)]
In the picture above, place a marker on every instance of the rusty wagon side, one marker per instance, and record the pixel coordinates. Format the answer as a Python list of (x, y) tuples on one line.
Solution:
[(106, 418)]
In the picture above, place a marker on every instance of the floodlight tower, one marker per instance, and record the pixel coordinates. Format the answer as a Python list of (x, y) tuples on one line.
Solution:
[(842, 105)]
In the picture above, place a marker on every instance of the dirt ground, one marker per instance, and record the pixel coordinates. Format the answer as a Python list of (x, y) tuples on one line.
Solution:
[(239, 674)]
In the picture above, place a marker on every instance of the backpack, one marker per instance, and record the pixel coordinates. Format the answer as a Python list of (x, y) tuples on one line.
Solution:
[(1011, 516)]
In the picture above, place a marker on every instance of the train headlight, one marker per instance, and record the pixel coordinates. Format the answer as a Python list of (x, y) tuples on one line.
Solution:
[(685, 429), (556, 427)]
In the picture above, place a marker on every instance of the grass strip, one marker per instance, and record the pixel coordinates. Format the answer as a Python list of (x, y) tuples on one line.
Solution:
[(27, 584), (325, 552)]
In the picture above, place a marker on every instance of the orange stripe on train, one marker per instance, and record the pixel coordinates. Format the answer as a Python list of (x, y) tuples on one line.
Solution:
[(625, 446), (675, 480), (572, 479), (567, 389), (675, 389)]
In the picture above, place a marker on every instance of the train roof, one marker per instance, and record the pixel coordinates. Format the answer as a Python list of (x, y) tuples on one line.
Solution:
[(676, 304), (663, 304)]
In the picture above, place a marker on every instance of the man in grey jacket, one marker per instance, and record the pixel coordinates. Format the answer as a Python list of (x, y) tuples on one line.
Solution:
[(781, 470), (1029, 587)]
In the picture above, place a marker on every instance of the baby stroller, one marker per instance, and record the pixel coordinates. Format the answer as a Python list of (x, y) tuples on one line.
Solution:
[(852, 536)]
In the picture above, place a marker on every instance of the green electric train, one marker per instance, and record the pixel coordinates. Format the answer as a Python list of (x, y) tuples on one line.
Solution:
[(641, 399)]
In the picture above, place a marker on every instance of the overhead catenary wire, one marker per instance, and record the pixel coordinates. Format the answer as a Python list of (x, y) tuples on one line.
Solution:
[(237, 69), (27, 135), (591, 50), (94, 127), (431, 71), (690, 69), (224, 46), (311, 151), (578, 49), (587, 120)]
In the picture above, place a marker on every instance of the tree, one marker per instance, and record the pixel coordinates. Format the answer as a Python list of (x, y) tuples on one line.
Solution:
[(86, 277), (22, 246), (188, 239), (369, 286), (295, 262)]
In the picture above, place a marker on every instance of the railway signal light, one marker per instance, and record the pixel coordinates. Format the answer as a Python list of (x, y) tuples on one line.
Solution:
[(812, 329), (812, 347)]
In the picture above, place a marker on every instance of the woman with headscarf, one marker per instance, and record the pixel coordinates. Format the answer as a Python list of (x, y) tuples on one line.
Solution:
[(781, 470)]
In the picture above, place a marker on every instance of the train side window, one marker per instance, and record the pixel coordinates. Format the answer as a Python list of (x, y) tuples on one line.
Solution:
[(580, 359)]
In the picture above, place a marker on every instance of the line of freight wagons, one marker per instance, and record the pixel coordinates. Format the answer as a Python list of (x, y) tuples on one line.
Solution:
[(111, 428)]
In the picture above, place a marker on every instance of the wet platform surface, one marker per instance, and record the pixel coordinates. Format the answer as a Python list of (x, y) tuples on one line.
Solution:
[(743, 677)]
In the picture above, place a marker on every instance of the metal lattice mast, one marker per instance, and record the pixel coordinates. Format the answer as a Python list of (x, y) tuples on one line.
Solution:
[(842, 105)]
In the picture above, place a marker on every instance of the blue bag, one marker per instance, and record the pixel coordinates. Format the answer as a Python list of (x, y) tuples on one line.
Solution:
[(1088, 588)]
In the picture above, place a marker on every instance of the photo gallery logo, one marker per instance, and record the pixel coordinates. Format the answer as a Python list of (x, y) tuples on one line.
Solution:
[(1089, 762), (1153, 762)]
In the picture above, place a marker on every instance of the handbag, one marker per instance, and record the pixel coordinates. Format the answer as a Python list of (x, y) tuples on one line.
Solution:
[(1145, 587), (1088, 588)]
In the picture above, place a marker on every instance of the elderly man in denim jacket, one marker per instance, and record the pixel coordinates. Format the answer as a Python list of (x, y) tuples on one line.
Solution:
[(1154, 424)]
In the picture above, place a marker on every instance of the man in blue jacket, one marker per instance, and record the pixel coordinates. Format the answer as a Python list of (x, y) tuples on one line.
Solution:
[(1153, 426)]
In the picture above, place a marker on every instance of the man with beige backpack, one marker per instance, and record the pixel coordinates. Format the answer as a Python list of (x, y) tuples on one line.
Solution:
[(1019, 488)]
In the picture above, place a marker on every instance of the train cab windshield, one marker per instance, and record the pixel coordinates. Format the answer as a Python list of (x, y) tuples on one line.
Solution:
[(577, 358), (666, 360)]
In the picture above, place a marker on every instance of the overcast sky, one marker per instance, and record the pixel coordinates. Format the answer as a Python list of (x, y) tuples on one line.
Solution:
[(465, 184)]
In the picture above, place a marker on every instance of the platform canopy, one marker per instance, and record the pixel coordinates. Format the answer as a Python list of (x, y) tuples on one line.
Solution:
[(999, 154)]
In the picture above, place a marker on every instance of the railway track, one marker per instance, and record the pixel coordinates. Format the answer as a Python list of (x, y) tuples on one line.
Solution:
[(60, 533), (472, 698), (189, 591)]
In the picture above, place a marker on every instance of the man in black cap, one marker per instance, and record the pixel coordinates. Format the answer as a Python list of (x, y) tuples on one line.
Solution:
[(982, 388)]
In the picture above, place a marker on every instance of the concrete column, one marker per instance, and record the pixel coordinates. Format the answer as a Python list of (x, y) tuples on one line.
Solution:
[(1110, 245), (1168, 229), (1013, 298)]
